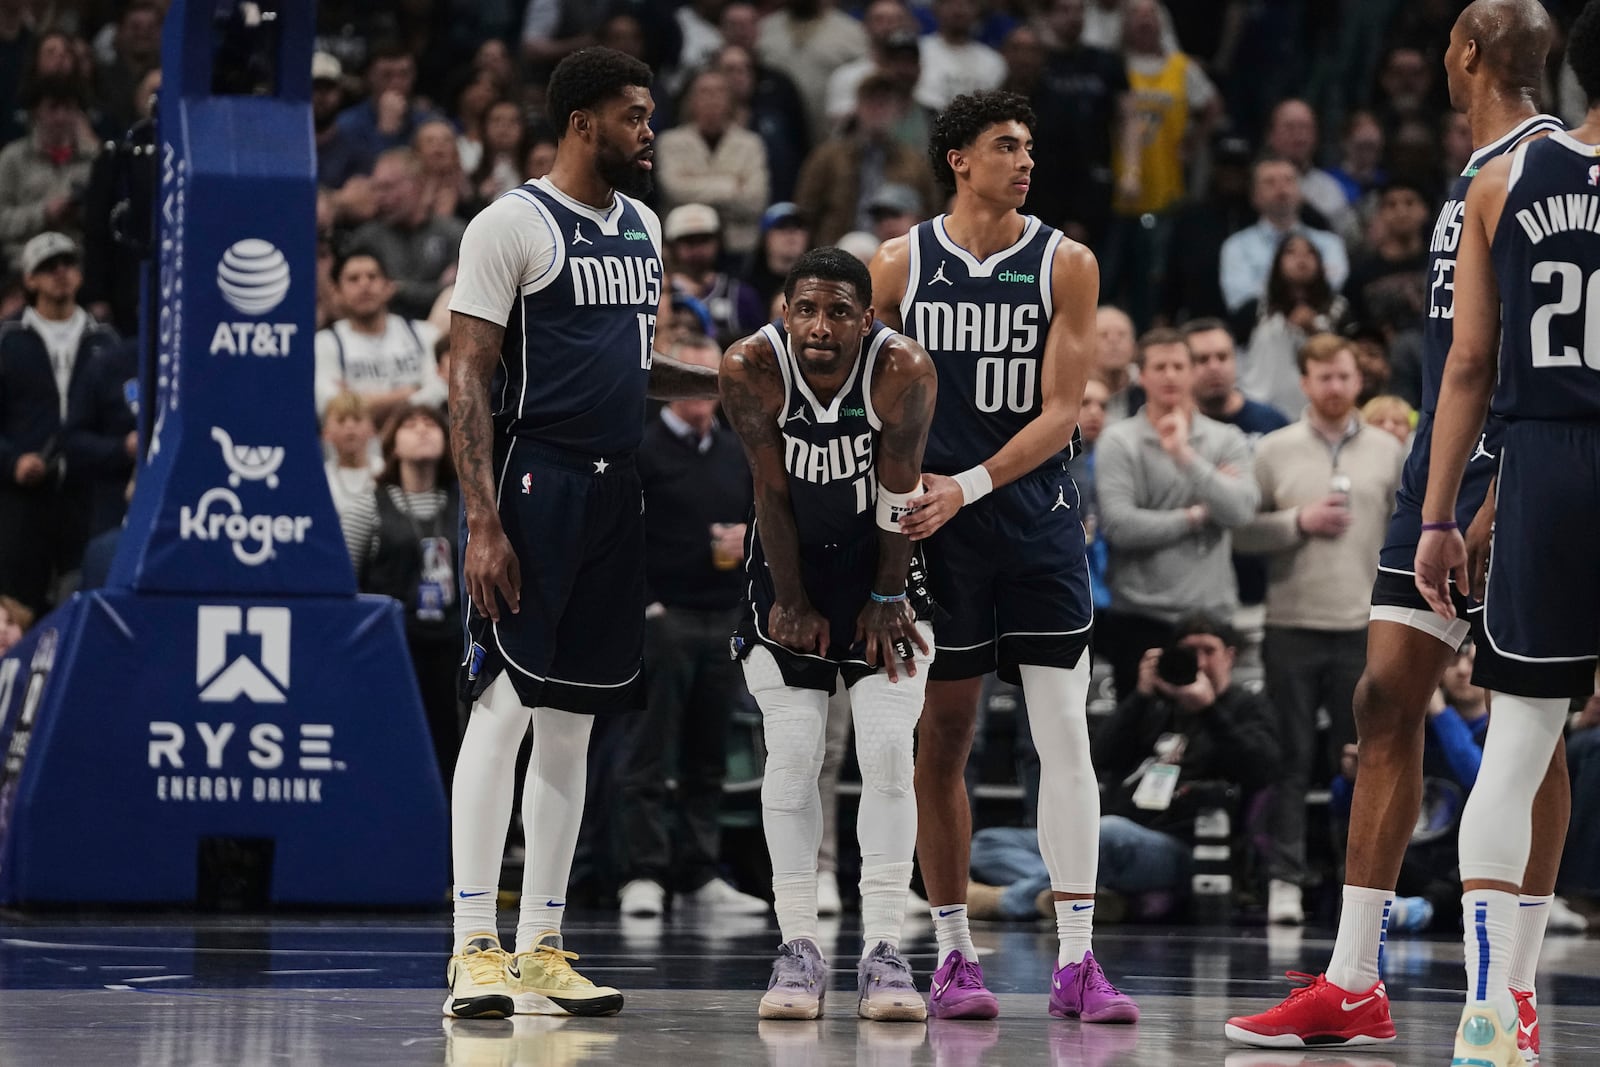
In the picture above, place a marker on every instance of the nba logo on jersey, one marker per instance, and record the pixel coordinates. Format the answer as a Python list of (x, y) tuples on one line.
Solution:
[(1594, 174), (527, 484)]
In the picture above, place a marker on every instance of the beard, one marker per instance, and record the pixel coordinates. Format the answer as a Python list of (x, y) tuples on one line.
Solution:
[(622, 172)]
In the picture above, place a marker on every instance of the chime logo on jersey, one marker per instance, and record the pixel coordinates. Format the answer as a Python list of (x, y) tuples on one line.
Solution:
[(964, 326), (839, 458), (626, 281)]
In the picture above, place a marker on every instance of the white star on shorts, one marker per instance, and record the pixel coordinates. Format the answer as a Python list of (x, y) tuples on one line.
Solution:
[(600, 466)]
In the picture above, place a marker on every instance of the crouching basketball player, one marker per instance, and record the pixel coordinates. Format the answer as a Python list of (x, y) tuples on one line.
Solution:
[(834, 409)]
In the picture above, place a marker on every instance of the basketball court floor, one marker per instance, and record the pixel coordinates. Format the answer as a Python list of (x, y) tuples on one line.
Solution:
[(350, 990)]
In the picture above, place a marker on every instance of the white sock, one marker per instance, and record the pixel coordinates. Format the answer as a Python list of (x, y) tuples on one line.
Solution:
[(1357, 960), (480, 805), (552, 811), (1490, 918), (1075, 928), (950, 927), (883, 903), (794, 899), (1532, 915)]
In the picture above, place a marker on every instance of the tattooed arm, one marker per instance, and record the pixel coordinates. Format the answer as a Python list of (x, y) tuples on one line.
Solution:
[(904, 386), (490, 564), (752, 398)]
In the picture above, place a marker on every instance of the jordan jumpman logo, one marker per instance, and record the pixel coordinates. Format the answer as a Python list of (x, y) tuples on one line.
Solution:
[(1061, 500), (1481, 450), (577, 235), (938, 276)]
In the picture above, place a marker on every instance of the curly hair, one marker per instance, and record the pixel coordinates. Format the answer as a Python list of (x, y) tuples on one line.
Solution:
[(831, 265), (958, 126), (587, 78), (1583, 50)]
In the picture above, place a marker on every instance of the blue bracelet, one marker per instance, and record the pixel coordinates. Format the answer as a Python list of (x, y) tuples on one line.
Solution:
[(898, 598)]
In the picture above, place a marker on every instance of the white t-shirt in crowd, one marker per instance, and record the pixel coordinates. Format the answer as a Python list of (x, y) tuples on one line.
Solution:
[(366, 365), (948, 70)]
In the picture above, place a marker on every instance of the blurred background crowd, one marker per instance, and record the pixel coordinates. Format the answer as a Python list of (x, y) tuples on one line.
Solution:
[(1258, 179)]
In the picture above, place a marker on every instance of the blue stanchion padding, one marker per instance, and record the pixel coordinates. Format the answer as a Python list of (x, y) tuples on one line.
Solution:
[(116, 772)]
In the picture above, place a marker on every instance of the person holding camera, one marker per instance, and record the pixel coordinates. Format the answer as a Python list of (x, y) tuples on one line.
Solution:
[(1327, 489), (1185, 727)]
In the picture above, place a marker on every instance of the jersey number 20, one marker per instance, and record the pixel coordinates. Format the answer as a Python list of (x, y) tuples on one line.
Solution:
[(1575, 294), (1008, 383)]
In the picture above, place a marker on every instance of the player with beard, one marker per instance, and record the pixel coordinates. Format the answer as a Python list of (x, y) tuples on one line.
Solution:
[(552, 328)]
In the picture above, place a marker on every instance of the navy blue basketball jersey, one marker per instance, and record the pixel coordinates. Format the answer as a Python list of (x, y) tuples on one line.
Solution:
[(828, 450), (1546, 253), (984, 323), (1438, 328), (577, 352)]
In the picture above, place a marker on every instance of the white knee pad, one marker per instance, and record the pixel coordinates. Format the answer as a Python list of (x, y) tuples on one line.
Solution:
[(886, 715), (792, 721)]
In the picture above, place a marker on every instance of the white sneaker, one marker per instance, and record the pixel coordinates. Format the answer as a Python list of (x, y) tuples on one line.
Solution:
[(643, 897), (1283, 904), (727, 900), (1563, 920), (828, 902)]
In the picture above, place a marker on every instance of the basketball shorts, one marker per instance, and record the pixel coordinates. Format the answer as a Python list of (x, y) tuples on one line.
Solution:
[(1011, 576), (576, 523), (1394, 591), (838, 582), (1541, 613)]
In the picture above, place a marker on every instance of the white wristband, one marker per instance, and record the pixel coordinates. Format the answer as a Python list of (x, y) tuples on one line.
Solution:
[(892, 506), (975, 484)]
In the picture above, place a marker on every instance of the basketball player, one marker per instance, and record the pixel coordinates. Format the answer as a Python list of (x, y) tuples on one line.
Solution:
[(1494, 66), (1006, 307), (552, 323), (1527, 300), (833, 409)]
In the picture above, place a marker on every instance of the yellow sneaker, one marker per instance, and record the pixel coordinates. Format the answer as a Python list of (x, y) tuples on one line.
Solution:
[(544, 983), (477, 980), (1481, 1040)]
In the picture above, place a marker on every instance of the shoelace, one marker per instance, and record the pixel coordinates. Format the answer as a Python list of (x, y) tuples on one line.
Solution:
[(487, 966), (1305, 983), (556, 965), (968, 974), (1096, 979), (792, 969)]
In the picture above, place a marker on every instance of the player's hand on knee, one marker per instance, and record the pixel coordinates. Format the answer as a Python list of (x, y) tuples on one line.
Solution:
[(890, 632), (1479, 534), (940, 500), (491, 570), (800, 627), (1441, 556)]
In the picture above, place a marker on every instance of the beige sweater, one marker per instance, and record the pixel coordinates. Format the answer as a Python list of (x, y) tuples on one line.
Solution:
[(1321, 583)]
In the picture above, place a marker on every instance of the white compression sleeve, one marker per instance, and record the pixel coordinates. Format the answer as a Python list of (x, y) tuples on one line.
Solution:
[(1497, 823), (1069, 796), (552, 811), (480, 807), (791, 804)]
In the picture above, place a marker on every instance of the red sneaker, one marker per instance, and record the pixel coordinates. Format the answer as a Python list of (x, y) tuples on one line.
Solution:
[(1318, 1015), (1527, 1026)]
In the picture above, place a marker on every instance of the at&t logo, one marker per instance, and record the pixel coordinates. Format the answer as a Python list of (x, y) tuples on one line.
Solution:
[(253, 277)]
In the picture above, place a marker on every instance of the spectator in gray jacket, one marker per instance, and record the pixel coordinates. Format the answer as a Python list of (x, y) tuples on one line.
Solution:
[(1172, 484), (43, 175), (417, 245)]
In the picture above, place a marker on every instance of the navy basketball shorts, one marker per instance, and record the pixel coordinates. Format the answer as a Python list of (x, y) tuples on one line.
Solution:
[(1394, 592), (1010, 574), (838, 582), (576, 523), (1541, 614)]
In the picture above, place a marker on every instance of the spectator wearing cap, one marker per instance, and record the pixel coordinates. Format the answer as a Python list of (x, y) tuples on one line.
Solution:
[(1247, 256), (43, 175), (391, 113), (709, 160), (894, 209), (808, 40), (1190, 287), (842, 175), (953, 62), (341, 156), (67, 438), (692, 233), (784, 238)]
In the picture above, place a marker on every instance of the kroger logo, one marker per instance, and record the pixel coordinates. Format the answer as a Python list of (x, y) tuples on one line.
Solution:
[(219, 514), (253, 276)]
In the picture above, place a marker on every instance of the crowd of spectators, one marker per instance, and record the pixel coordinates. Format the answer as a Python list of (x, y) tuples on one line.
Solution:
[(1257, 180)]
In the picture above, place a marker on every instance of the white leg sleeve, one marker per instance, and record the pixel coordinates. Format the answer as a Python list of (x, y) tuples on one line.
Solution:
[(1497, 823), (552, 810), (480, 804), (1069, 797)]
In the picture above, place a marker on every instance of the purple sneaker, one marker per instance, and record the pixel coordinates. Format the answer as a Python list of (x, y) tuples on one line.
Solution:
[(957, 991), (799, 982), (1082, 991), (887, 990)]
